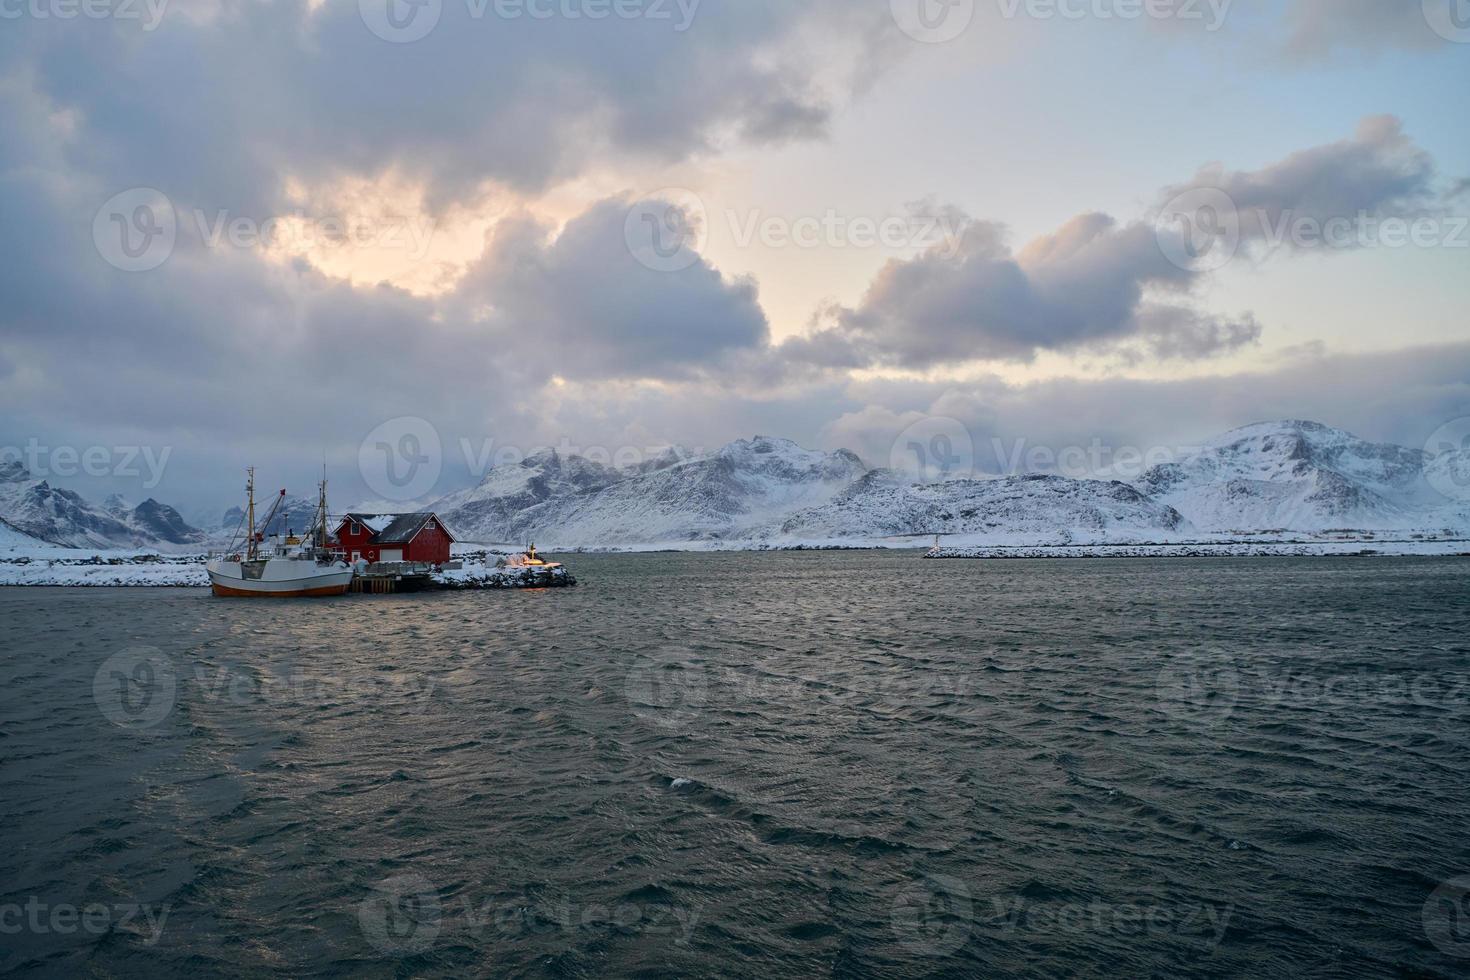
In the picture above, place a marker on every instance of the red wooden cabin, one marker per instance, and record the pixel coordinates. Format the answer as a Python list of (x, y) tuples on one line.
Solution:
[(419, 538)]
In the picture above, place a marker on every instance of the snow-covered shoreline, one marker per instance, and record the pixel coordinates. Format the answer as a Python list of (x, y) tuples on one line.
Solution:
[(78, 568), (1218, 549), (72, 567)]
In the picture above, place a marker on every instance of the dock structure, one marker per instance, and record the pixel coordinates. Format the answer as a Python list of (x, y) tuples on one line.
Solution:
[(392, 577)]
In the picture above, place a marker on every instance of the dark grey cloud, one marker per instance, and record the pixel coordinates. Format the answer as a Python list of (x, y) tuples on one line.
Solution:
[(218, 350), (1379, 172), (1095, 283), (216, 103)]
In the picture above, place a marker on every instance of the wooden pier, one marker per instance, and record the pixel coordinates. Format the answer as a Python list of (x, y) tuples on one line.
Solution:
[(391, 578)]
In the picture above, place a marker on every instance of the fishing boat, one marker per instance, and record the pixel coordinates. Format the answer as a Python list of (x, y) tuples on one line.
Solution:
[(293, 568)]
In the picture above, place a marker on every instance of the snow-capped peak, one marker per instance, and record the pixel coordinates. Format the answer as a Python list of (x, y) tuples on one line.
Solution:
[(1293, 474)]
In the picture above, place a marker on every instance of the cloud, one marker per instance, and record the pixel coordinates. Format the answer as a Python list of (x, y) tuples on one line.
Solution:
[(1317, 28), (1379, 172), (1083, 286), (215, 109), (231, 356), (1399, 397), (1096, 284), (580, 305)]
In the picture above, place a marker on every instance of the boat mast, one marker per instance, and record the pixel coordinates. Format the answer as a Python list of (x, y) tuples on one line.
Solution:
[(322, 506), (250, 510)]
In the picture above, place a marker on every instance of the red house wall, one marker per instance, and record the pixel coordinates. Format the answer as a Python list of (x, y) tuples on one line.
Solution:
[(360, 543), (430, 545)]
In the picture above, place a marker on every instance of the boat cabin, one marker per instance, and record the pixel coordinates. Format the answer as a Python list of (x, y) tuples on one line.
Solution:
[(420, 538)]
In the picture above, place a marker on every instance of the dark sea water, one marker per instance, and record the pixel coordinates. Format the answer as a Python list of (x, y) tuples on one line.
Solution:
[(782, 765)]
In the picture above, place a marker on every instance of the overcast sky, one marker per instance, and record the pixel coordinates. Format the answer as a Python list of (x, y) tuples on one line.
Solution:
[(272, 233)]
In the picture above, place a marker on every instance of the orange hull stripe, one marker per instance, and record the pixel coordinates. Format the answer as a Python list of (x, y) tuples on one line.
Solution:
[(226, 591)]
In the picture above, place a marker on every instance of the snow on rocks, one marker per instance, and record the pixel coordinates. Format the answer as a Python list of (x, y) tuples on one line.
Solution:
[(114, 569), (484, 576)]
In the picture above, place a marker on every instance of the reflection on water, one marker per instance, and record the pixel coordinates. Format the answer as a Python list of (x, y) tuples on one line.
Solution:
[(759, 765)]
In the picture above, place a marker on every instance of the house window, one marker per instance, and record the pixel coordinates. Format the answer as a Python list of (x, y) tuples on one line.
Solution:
[(430, 526), (353, 529)]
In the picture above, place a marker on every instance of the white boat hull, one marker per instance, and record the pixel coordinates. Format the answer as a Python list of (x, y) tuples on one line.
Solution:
[(278, 578)]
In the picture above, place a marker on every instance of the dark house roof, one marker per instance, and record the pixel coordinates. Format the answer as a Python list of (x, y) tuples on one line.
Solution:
[(395, 528)]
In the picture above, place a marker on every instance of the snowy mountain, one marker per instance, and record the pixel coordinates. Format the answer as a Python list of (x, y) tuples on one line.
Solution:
[(520, 498), (765, 492), (160, 522), (63, 517), (1036, 509), (1288, 476), (1301, 476), (153, 521), (740, 492), (12, 538), (52, 514)]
